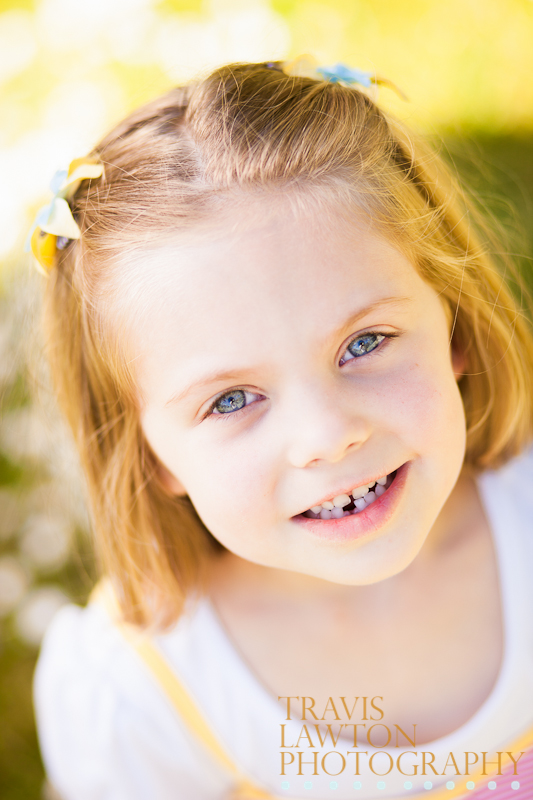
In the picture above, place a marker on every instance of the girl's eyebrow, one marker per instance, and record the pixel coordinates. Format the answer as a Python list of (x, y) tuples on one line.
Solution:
[(213, 377), (363, 312), (231, 375)]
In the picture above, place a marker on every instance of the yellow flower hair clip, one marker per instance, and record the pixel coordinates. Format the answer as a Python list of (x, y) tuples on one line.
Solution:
[(54, 225)]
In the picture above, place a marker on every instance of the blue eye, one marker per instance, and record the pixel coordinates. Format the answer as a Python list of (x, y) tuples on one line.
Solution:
[(232, 401), (364, 344)]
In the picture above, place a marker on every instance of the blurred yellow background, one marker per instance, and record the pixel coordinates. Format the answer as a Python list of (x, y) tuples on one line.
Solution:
[(69, 69)]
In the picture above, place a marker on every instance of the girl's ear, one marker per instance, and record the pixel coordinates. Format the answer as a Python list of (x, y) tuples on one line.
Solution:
[(458, 360), (458, 354), (170, 483)]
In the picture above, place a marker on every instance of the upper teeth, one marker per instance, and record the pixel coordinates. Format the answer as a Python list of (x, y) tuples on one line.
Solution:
[(342, 500)]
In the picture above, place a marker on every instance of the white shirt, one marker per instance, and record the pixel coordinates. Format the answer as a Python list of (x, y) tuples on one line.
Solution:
[(107, 731)]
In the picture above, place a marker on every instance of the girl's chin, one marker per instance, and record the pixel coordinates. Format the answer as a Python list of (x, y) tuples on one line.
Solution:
[(375, 568)]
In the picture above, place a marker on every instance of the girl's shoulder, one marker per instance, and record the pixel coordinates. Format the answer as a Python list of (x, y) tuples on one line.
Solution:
[(507, 495), (104, 726)]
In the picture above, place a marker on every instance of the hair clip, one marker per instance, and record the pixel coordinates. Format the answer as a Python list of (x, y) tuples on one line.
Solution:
[(54, 226), (306, 67), (340, 73)]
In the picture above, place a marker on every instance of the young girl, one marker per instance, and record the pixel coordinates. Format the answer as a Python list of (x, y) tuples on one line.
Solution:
[(301, 393)]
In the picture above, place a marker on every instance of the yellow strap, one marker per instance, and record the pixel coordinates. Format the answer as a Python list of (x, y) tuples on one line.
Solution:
[(176, 692)]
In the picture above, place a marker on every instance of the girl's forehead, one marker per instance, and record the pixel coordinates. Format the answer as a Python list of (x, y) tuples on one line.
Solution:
[(270, 239), (262, 283), (269, 255)]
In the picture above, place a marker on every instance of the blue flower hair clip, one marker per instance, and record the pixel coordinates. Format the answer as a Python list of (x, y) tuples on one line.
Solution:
[(340, 73), (54, 226), (306, 67)]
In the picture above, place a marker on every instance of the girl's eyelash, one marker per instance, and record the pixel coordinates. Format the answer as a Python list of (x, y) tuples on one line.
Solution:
[(375, 350), (236, 413)]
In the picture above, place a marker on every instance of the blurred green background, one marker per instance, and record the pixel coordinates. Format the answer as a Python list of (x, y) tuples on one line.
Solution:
[(70, 69)]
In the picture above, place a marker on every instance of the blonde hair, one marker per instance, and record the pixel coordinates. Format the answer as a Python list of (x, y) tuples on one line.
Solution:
[(245, 128)]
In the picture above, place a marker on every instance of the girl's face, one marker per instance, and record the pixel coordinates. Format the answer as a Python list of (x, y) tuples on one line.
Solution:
[(292, 360)]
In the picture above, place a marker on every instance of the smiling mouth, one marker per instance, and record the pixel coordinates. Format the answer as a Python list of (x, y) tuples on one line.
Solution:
[(345, 505)]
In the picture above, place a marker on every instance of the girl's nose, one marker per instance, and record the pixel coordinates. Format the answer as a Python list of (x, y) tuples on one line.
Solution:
[(323, 430)]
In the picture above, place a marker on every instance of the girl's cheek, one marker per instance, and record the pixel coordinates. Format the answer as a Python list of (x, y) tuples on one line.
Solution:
[(427, 405), (228, 479)]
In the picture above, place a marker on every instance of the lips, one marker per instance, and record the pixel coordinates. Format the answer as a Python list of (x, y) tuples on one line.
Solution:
[(359, 522)]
